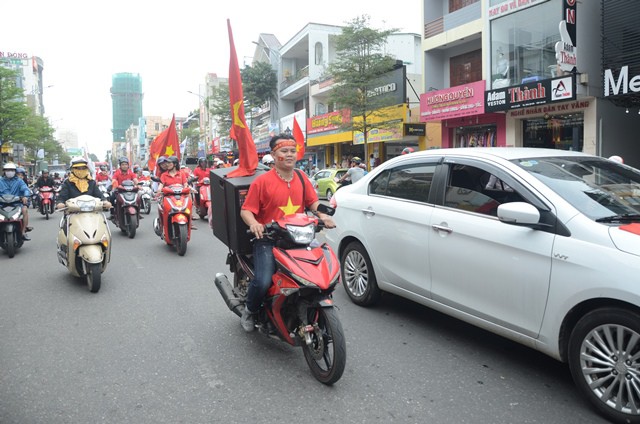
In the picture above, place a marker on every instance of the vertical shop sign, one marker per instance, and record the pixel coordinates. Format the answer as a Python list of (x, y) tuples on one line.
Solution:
[(566, 48)]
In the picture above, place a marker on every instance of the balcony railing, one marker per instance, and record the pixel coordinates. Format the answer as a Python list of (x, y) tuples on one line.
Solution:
[(290, 80), (453, 20)]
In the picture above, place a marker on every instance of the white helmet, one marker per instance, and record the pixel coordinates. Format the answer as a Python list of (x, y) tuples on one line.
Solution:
[(78, 161), (9, 166), (268, 159), (616, 158), (235, 162)]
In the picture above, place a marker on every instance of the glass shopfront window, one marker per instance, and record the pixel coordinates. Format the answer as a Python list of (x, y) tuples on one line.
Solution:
[(564, 132), (475, 136), (523, 45)]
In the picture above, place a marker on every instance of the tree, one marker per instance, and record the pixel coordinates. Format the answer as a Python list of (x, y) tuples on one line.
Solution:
[(220, 108), (13, 111), (191, 132), (259, 83), (357, 70)]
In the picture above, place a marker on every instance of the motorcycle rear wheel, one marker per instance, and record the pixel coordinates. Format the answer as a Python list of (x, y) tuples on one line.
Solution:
[(327, 354), (94, 277), (46, 214), (147, 207), (11, 244), (181, 240)]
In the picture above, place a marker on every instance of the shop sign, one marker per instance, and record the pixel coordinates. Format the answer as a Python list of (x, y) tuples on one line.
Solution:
[(379, 135), (562, 108), (510, 6), (328, 121), (419, 130), (612, 87), (527, 95), (454, 102)]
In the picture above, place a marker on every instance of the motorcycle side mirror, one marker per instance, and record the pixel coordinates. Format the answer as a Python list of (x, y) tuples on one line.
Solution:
[(156, 179), (326, 209)]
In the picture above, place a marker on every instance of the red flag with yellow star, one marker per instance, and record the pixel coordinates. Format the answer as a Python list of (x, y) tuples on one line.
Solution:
[(165, 144), (299, 137), (239, 130)]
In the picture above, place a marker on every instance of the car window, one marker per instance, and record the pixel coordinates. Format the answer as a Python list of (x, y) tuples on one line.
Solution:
[(410, 182), (477, 190), (340, 173), (321, 174)]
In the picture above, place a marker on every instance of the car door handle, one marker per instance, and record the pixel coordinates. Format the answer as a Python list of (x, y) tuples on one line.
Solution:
[(442, 228), (368, 212)]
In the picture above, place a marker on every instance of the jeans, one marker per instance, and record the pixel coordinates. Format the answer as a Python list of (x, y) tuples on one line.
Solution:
[(264, 266)]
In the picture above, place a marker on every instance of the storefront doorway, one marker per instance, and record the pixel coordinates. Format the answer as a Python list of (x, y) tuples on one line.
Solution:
[(564, 132), (475, 136)]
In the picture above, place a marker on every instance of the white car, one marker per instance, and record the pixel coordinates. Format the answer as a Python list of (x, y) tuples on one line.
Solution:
[(539, 246)]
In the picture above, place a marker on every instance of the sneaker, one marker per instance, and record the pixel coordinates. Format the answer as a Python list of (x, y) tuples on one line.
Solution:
[(247, 320), (26, 237)]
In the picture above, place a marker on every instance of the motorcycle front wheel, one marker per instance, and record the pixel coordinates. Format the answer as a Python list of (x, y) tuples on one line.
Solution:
[(93, 277), (327, 353), (131, 226), (147, 207), (181, 240), (11, 244)]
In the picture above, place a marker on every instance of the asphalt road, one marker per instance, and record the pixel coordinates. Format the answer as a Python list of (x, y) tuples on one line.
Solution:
[(158, 345)]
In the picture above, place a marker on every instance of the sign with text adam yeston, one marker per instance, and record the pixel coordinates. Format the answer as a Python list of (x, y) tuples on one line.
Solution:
[(532, 94)]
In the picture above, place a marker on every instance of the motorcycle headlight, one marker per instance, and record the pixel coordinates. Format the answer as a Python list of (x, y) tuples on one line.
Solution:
[(302, 235), (86, 206)]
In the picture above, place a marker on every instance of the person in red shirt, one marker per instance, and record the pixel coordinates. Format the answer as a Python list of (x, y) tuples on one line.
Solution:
[(123, 173), (274, 194), (102, 174), (201, 171), (173, 175)]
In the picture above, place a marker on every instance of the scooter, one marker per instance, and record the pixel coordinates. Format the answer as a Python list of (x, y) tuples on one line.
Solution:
[(104, 186), (11, 224), (146, 194), (127, 208), (84, 239), (298, 308), (46, 201), (173, 224), (204, 197)]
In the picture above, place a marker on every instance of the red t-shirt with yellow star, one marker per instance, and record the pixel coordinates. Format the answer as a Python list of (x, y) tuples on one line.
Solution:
[(270, 197)]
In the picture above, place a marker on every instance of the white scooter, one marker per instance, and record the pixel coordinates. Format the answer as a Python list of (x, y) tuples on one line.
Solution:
[(84, 239)]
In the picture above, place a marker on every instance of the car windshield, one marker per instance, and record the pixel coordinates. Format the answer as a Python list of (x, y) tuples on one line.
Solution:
[(601, 189)]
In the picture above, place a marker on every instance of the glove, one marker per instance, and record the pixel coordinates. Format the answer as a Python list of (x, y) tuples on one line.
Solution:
[(106, 205)]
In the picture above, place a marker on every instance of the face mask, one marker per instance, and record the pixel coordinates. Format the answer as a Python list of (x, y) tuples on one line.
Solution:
[(10, 174), (81, 173)]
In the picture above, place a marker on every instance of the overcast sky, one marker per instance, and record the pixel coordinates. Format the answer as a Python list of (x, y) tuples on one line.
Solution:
[(171, 44)]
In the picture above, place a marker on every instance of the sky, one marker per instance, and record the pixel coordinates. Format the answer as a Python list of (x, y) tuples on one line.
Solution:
[(172, 45)]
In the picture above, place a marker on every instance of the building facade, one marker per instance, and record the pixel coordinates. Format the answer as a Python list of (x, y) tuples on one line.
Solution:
[(126, 101)]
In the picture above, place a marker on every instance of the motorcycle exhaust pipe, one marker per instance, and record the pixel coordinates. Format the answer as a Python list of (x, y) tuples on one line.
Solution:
[(224, 287)]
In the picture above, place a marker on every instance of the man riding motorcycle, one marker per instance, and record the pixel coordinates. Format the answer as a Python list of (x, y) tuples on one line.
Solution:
[(11, 184), (102, 174), (45, 180), (199, 173), (123, 173)]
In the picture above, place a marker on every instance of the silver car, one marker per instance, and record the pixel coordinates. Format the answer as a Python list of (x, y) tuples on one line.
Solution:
[(539, 246)]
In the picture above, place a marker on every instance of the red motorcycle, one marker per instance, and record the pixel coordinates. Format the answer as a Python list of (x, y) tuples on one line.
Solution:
[(46, 201), (173, 224), (127, 208), (298, 308), (203, 198)]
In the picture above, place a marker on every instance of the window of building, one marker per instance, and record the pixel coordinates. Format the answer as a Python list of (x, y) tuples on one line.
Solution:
[(318, 53), (465, 68), (523, 45), (564, 132), (459, 4)]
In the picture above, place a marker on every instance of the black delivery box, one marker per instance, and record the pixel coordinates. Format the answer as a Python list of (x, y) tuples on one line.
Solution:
[(227, 197)]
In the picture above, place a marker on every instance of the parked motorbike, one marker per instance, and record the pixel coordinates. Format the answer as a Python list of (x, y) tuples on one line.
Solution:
[(173, 224), (146, 194), (46, 201), (203, 199), (298, 308), (11, 223), (127, 208), (84, 239)]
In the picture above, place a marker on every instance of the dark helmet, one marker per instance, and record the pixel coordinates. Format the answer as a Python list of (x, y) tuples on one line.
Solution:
[(174, 160), (202, 161), (356, 160), (123, 160), (20, 170), (408, 150), (161, 160)]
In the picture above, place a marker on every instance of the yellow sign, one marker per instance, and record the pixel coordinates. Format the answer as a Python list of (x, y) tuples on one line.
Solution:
[(7, 148)]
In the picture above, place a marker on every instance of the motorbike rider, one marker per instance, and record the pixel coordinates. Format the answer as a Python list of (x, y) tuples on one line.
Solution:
[(11, 184), (268, 161), (102, 174), (44, 180), (123, 173), (172, 175), (199, 173), (354, 173), (79, 182), (274, 194)]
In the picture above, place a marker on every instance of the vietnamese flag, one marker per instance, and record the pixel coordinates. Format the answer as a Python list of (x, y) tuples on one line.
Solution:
[(165, 144), (239, 130), (299, 137)]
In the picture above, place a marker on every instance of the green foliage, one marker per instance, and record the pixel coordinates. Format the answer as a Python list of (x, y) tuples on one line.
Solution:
[(220, 108), (260, 83), (359, 67)]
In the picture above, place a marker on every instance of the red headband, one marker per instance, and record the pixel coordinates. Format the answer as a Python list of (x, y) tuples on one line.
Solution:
[(283, 142)]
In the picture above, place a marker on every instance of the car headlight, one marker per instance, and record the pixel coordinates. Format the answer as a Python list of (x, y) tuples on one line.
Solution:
[(86, 206), (302, 235)]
